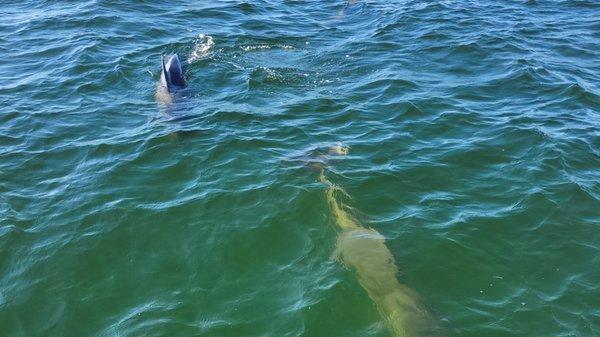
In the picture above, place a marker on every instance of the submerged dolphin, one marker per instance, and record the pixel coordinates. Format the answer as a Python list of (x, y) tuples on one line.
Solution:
[(364, 251), (351, 7), (171, 79)]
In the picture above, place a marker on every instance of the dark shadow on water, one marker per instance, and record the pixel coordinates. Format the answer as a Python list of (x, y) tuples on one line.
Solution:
[(180, 136)]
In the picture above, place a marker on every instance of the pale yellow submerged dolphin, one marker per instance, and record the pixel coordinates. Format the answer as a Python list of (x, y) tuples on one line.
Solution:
[(364, 251)]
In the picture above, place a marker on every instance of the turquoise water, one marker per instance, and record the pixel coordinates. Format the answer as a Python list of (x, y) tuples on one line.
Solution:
[(474, 135)]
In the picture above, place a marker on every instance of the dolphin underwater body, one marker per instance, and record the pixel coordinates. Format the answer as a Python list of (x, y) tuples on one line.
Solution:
[(364, 250), (171, 79)]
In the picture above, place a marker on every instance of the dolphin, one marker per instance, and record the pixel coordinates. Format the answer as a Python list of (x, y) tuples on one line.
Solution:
[(171, 79), (351, 7), (317, 157), (364, 250)]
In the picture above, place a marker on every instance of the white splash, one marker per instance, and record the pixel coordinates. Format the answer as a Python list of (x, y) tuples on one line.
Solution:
[(202, 45), (265, 47)]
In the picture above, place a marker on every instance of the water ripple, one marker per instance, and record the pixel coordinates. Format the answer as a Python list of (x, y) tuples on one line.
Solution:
[(474, 149)]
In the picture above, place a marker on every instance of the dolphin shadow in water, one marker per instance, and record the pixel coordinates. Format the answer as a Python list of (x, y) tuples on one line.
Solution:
[(364, 251)]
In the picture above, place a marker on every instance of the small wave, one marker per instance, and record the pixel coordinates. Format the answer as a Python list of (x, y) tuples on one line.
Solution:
[(202, 45), (266, 47), (264, 76)]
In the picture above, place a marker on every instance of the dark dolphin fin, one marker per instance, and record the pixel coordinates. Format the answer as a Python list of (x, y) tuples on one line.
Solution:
[(172, 73), (175, 71), (164, 77)]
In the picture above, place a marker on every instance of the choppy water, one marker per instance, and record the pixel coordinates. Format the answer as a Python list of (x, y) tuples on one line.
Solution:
[(475, 150)]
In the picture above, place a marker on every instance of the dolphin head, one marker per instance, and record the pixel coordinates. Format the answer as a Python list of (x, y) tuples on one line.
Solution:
[(172, 73)]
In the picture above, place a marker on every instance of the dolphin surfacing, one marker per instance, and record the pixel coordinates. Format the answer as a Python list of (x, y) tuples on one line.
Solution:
[(364, 250), (171, 79)]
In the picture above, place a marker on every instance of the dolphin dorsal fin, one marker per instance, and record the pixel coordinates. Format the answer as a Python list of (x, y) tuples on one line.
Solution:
[(166, 76), (175, 71)]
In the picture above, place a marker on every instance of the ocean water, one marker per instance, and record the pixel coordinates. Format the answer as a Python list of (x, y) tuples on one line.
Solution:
[(473, 130)]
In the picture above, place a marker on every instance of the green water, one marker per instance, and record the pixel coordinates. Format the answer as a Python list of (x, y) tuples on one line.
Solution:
[(474, 151)]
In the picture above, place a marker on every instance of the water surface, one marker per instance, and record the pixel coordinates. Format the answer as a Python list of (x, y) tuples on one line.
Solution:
[(474, 150)]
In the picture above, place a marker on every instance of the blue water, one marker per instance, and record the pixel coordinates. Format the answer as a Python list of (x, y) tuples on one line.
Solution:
[(474, 148)]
